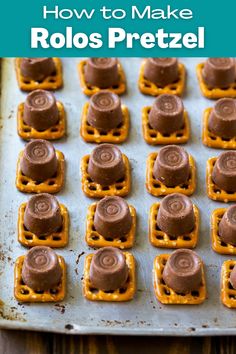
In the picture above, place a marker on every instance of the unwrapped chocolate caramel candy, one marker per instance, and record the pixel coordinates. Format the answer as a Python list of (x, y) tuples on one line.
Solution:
[(161, 71), (172, 166), (39, 160), (108, 270), (224, 171), (167, 114), (222, 119), (41, 269), (183, 271), (219, 72), (102, 72), (42, 214), (37, 68), (104, 111), (176, 215), (227, 226), (106, 165), (233, 277), (112, 217), (40, 110)]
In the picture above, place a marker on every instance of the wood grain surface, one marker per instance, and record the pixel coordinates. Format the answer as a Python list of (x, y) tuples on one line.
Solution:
[(19, 342)]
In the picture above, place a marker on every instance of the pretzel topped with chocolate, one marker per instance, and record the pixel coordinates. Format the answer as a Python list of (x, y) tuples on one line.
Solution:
[(167, 114), (227, 226), (222, 119), (224, 171), (106, 165), (102, 72), (41, 269), (39, 160), (108, 270), (161, 71), (40, 110), (37, 68), (219, 72), (104, 111), (172, 166), (183, 271), (42, 214)]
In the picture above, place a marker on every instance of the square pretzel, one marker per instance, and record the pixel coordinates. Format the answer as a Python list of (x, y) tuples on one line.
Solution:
[(158, 188), (54, 240), (51, 82), (154, 137), (51, 185), (24, 293), (228, 293), (211, 140), (149, 88), (90, 90), (213, 191), (27, 132), (125, 293), (216, 92), (96, 240), (168, 296), (161, 239), (217, 245), (114, 136), (95, 190)]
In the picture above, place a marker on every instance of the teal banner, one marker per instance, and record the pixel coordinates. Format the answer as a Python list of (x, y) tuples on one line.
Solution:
[(117, 28)]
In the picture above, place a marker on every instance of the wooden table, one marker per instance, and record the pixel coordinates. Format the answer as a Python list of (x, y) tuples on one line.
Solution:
[(19, 342)]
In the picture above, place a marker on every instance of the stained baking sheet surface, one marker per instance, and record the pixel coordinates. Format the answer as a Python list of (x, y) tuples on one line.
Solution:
[(143, 315)]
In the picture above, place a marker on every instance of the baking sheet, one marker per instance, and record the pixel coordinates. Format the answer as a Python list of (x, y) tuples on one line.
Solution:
[(144, 314)]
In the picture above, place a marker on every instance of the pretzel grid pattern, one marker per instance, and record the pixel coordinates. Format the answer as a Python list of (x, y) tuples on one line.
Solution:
[(56, 239), (214, 93), (217, 244), (96, 240), (168, 296), (125, 293), (149, 88), (27, 132), (154, 137), (158, 238), (213, 191), (52, 82), (90, 90), (24, 293), (211, 140), (115, 136), (94, 190), (228, 293), (158, 188), (51, 185)]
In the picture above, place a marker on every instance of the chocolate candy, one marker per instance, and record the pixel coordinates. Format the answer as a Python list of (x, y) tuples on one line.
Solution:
[(167, 114), (40, 110), (161, 71), (233, 277), (104, 111), (37, 68), (219, 72), (222, 120), (39, 160), (108, 270), (172, 166), (106, 165), (224, 171), (112, 217), (42, 214), (41, 269), (176, 215), (102, 72), (183, 272), (227, 226)]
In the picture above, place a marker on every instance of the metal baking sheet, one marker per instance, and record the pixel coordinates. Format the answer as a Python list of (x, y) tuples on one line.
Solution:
[(143, 315)]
